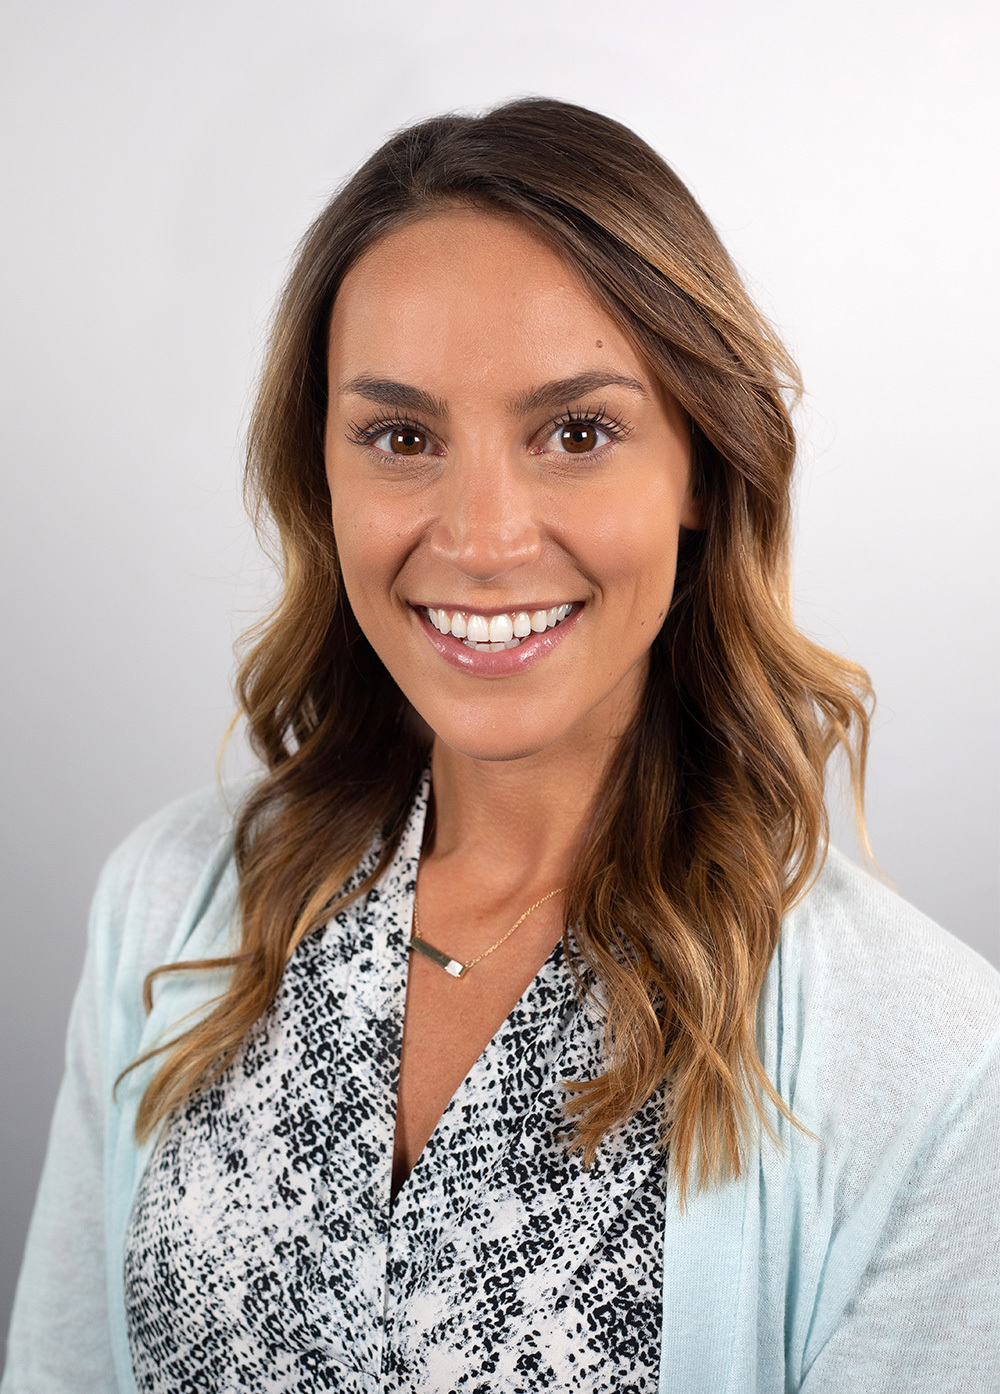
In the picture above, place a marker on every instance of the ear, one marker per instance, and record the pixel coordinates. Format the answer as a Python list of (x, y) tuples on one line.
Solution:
[(692, 517), (692, 512)]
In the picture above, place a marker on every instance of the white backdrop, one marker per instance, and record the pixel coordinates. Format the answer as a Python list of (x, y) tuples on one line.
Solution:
[(159, 164)]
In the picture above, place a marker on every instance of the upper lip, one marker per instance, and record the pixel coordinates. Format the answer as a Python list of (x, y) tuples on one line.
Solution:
[(488, 611)]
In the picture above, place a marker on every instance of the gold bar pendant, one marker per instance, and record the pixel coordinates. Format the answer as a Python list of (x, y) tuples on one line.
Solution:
[(450, 965)]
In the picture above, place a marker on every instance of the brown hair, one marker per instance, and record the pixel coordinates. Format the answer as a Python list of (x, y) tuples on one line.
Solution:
[(712, 821)]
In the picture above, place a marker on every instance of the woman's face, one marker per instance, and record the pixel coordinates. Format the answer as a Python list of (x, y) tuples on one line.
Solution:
[(503, 467)]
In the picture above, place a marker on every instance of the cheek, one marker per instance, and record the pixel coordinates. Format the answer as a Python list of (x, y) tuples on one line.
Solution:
[(368, 562), (631, 552), (369, 533)]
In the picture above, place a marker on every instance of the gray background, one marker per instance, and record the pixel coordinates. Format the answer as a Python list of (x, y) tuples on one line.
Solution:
[(159, 163)]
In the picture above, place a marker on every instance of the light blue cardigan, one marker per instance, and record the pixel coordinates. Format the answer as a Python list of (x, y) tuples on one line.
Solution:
[(868, 1260)]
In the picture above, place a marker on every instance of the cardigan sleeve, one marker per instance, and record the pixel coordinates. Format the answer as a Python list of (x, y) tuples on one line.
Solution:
[(59, 1336), (925, 1318)]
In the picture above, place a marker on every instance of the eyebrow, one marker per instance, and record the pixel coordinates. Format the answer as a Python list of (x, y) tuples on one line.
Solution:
[(387, 392)]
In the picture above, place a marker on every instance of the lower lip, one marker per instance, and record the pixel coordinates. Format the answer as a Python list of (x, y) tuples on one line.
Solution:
[(505, 661)]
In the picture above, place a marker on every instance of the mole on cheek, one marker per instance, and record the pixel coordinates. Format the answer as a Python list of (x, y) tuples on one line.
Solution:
[(600, 343)]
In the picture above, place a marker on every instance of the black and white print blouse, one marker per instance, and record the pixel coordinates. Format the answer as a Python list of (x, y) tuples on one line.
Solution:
[(263, 1251)]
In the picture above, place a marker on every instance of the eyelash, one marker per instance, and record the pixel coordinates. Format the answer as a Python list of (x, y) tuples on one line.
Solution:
[(613, 426), (366, 435)]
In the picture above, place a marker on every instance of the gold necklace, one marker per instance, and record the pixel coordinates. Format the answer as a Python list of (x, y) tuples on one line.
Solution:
[(452, 965)]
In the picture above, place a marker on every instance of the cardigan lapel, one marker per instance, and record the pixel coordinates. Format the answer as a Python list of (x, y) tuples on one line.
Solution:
[(205, 930)]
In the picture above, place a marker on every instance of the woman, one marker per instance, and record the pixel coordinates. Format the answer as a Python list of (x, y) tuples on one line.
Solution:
[(518, 1030)]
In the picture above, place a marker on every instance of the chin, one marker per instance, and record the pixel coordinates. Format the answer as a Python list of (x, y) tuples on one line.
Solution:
[(497, 745)]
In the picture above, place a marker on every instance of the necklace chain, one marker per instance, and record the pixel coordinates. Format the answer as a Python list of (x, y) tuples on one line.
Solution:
[(452, 965)]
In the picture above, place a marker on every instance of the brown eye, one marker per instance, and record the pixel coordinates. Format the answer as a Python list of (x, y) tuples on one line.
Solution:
[(407, 442), (579, 437)]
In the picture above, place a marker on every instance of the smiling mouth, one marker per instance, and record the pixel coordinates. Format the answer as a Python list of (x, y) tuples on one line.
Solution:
[(491, 633)]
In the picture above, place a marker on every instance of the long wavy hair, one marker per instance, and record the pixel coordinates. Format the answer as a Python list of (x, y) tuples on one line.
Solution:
[(711, 821)]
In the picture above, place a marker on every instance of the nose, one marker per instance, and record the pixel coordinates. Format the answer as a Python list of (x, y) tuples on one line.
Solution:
[(486, 523)]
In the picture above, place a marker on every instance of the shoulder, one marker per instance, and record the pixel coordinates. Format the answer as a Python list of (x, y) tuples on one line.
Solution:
[(881, 1032), (861, 941), (886, 1013), (166, 874)]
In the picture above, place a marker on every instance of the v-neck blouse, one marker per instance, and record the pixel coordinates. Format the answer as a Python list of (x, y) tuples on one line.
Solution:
[(263, 1252)]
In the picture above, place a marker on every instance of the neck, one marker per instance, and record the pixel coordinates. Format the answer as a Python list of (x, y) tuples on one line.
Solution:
[(513, 826)]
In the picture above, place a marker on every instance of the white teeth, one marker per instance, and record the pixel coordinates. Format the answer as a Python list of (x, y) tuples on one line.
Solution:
[(498, 631)]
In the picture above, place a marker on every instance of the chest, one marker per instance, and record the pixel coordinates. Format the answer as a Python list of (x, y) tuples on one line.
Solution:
[(448, 1025)]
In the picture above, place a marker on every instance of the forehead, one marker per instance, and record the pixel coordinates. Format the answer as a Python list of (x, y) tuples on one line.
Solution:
[(467, 294)]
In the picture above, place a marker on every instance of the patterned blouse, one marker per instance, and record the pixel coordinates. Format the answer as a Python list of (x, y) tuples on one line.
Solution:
[(263, 1251)]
